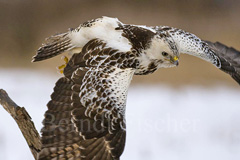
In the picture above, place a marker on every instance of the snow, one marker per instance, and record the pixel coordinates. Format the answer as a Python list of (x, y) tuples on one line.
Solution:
[(163, 122)]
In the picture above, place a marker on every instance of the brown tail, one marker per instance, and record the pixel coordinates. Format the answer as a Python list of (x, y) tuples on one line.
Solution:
[(54, 46)]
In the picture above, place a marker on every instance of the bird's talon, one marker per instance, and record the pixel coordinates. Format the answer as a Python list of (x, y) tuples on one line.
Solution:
[(61, 71), (65, 58), (61, 68)]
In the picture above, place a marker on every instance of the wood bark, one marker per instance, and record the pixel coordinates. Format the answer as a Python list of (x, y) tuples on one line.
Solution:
[(24, 122)]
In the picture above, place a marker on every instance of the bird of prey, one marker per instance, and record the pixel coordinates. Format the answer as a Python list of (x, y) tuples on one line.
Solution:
[(85, 119)]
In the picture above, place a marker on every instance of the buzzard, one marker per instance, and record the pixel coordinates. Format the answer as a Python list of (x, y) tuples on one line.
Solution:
[(85, 119)]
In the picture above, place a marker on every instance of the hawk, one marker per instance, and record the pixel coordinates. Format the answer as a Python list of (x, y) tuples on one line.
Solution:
[(85, 119)]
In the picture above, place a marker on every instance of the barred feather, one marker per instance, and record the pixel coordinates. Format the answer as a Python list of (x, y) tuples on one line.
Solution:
[(54, 46), (84, 120)]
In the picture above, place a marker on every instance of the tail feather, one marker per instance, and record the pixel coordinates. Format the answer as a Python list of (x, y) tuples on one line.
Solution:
[(54, 46)]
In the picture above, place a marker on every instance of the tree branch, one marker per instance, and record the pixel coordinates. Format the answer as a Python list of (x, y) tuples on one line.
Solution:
[(24, 122)]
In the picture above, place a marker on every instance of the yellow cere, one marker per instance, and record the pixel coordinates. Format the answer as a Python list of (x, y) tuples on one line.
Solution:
[(175, 58)]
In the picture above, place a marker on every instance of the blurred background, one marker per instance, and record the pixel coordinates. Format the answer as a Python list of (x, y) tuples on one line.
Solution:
[(25, 24), (187, 112)]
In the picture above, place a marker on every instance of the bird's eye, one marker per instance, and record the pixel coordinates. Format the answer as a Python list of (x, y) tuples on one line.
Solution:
[(165, 54)]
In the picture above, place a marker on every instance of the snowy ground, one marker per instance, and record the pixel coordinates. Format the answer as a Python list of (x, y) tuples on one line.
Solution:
[(190, 123)]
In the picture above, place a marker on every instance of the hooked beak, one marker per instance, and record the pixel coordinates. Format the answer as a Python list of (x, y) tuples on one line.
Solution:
[(174, 60)]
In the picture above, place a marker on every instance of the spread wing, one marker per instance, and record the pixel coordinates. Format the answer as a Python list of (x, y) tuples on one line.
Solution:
[(73, 40), (229, 58), (225, 58), (85, 117)]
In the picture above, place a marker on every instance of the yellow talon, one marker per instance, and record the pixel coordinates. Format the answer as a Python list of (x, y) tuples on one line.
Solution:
[(65, 59), (61, 71), (61, 68)]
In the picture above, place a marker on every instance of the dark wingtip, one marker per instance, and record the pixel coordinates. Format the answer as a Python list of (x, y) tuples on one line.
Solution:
[(229, 59), (236, 77)]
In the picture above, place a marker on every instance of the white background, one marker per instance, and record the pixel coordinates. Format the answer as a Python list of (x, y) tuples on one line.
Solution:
[(188, 123)]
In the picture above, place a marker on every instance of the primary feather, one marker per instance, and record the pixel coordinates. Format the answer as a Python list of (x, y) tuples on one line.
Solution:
[(229, 59)]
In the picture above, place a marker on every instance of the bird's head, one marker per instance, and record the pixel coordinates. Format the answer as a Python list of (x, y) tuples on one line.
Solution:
[(163, 50), (188, 43)]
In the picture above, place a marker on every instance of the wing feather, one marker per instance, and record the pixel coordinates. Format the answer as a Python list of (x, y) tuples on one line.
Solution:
[(229, 57), (54, 45), (85, 117)]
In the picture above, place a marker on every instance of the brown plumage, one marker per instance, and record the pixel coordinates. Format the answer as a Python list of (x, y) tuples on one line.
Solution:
[(229, 57), (84, 120)]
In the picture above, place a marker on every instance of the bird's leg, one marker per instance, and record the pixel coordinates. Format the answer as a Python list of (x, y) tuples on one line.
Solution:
[(61, 68)]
